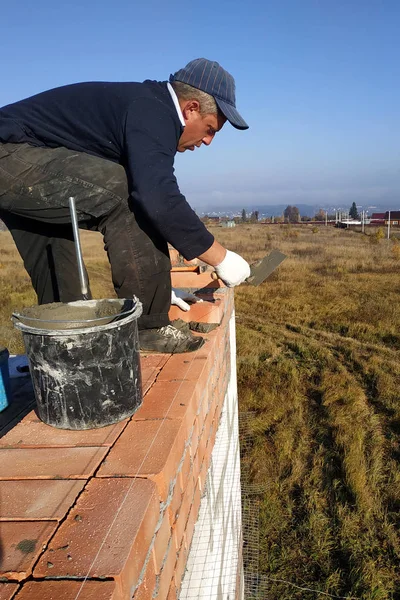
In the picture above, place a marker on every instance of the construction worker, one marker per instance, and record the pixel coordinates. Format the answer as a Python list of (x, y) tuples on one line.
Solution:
[(112, 146)]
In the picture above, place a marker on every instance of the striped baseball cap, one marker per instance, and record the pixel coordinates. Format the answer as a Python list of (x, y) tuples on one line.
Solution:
[(210, 77)]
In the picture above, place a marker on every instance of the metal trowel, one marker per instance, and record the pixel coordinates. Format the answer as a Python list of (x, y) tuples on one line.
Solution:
[(262, 269)]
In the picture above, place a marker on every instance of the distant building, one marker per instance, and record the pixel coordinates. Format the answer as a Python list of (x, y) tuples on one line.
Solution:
[(394, 217), (347, 223), (228, 224), (377, 219), (210, 220)]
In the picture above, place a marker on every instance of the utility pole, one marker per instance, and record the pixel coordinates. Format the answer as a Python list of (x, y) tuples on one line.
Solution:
[(363, 222), (388, 231)]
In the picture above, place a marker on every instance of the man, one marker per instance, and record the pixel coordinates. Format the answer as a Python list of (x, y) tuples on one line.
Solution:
[(112, 146)]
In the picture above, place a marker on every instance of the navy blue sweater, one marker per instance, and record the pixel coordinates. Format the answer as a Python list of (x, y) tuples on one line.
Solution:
[(133, 124)]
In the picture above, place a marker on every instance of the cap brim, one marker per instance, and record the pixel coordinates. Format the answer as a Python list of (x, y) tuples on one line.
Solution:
[(231, 114)]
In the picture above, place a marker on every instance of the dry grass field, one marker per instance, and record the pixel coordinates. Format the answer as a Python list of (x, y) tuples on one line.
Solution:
[(319, 381), (319, 375)]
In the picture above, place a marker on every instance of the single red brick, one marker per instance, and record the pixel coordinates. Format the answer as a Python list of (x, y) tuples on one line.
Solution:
[(189, 532), (146, 588), (193, 516), (201, 448), (7, 590), (153, 361), (177, 544), (107, 534), (203, 407), (196, 466), (174, 505), (205, 465), (68, 590), (163, 537), (216, 421), (200, 312), (172, 594), (184, 510), (187, 367), (21, 544), (147, 449), (220, 342), (180, 565), (195, 439), (203, 476), (185, 470), (220, 348), (167, 572), (209, 423), (171, 399), (32, 432), (205, 410), (50, 463), (44, 500), (195, 281)]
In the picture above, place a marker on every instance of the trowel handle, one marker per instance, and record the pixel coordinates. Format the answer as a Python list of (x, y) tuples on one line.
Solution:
[(78, 250)]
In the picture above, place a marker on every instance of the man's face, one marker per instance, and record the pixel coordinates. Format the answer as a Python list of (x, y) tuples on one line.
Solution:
[(199, 129)]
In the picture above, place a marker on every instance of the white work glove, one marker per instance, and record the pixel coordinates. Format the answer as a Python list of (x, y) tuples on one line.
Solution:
[(178, 297), (233, 269)]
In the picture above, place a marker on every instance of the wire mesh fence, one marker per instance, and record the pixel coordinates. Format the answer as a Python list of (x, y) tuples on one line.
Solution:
[(254, 584)]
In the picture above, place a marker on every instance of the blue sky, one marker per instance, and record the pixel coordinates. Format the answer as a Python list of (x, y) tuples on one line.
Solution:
[(317, 81)]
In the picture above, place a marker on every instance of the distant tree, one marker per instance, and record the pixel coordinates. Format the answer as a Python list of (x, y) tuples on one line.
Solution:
[(353, 212), (291, 214), (244, 216), (305, 219), (320, 216), (254, 216)]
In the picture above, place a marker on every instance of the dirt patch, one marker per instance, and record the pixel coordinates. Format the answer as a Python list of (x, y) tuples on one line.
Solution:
[(27, 546)]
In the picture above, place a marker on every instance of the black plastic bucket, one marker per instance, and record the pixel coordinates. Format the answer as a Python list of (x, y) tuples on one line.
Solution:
[(85, 374)]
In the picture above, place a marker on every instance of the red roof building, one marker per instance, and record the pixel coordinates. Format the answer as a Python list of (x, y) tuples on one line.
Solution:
[(394, 217), (377, 218)]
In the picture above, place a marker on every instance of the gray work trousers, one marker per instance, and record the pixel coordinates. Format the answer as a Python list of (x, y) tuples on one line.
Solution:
[(35, 184)]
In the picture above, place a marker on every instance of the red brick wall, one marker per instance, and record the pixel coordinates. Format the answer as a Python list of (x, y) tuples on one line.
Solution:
[(109, 514)]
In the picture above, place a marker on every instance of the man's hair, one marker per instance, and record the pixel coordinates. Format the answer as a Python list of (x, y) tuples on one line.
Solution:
[(187, 92)]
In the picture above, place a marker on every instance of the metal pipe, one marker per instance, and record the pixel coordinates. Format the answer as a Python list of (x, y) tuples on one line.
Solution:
[(78, 250)]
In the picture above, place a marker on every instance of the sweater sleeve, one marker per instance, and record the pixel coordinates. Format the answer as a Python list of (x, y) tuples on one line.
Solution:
[(150, 144)]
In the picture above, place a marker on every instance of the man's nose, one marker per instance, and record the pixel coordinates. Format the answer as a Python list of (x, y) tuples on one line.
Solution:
[(207, 140)]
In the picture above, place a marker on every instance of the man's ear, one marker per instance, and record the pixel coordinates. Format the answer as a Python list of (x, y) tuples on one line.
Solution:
[(190, 109)]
